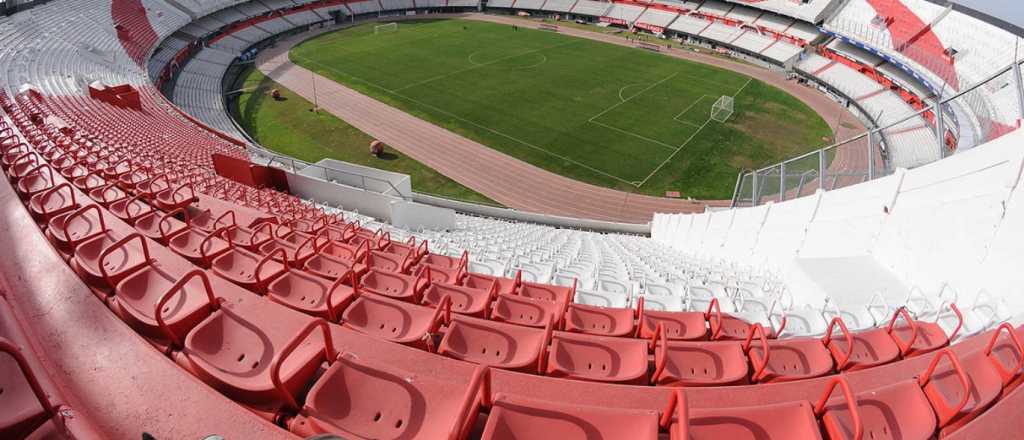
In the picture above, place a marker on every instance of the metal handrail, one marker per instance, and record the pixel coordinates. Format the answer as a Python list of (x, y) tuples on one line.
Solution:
[(293, 164)]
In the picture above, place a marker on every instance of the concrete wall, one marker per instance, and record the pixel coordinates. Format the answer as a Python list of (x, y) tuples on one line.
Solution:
[(413, 216), (396, 210), (372, 179), (956, 224), (351, 199), (551, 220)]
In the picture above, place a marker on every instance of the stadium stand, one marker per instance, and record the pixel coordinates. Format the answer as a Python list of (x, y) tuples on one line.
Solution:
[(627, 13), (147, 282), (949, 51)]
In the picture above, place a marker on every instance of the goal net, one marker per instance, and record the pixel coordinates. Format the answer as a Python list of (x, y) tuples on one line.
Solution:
[(722, 110), (384, 28)]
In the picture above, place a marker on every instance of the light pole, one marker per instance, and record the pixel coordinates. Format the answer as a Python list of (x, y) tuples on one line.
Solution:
[(316, 104)]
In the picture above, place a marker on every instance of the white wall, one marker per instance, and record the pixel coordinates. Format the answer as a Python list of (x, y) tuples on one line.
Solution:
[(959, 221)]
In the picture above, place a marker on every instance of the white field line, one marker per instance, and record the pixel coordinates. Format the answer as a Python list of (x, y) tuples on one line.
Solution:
[(592, 118), (694, 104), (479, 65), (623, 89), (630, 133), (660, 166), (510, 137)]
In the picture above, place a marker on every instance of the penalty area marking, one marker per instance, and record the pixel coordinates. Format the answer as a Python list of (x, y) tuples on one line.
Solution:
[(623, 89), (690, 139), (688, 108)]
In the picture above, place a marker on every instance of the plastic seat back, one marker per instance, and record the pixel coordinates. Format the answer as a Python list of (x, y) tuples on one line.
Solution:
[(518, 418), (396, 321), (685, 363), (526, 311), (602, 321), (496, 344), (465, 300), (361, 399), (598, 358)]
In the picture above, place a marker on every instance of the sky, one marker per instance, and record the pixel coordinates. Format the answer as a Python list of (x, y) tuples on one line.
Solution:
[(1010, 11)]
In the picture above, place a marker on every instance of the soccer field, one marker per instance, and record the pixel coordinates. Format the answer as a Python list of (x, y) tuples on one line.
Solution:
[(605, 114)]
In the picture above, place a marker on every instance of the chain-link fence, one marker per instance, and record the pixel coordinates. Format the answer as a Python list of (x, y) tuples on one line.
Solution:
[(975, 115)]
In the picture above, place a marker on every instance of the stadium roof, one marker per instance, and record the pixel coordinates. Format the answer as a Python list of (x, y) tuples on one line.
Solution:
[(1007, 13)]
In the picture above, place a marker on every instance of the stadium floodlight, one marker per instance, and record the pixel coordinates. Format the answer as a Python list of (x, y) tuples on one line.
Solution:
[(722, 110), (386, 27)]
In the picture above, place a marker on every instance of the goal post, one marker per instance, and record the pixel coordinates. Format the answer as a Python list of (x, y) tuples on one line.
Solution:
[(385, 28), (722, 109)]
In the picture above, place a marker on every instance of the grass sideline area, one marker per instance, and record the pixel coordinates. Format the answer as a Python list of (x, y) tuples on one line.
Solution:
[(288, 127), (613, 116)]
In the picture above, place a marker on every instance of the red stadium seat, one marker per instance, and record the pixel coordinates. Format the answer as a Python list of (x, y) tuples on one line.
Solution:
[(341, 233), (597, 358), (332, 268), (66, 231), (778, 421), (199, 247), (699, 363), (1007, 356), (870, 348), (297, 247), (506, 286), (359, 399), (782, 360), (26, 405), (89, 181), (310, 227), (345, 251), (443, 268), (107, 194), (396, 321), (129, 210), (678, 326), (53, 202), (374, 240), (164, 304), (915, 338), (437, 260), (205, 221), (149, 188), (901, 410), (311, 294), (160, 226), (513, 418), (465, 300), (23, 164), (170, 199), (408, 250), (559, 294), (496, 344), (602, 321), (395, 285), (251, 271), (388, 262), (441, 274), (109, 257), (984, 386), (260, 358), (526, 311), (35, 181), (248, 239)]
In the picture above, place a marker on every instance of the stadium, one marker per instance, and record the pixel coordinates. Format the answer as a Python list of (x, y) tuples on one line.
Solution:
[(512, 219)]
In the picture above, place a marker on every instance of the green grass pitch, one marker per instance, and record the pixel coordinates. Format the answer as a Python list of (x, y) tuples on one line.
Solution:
[(605, 114)]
